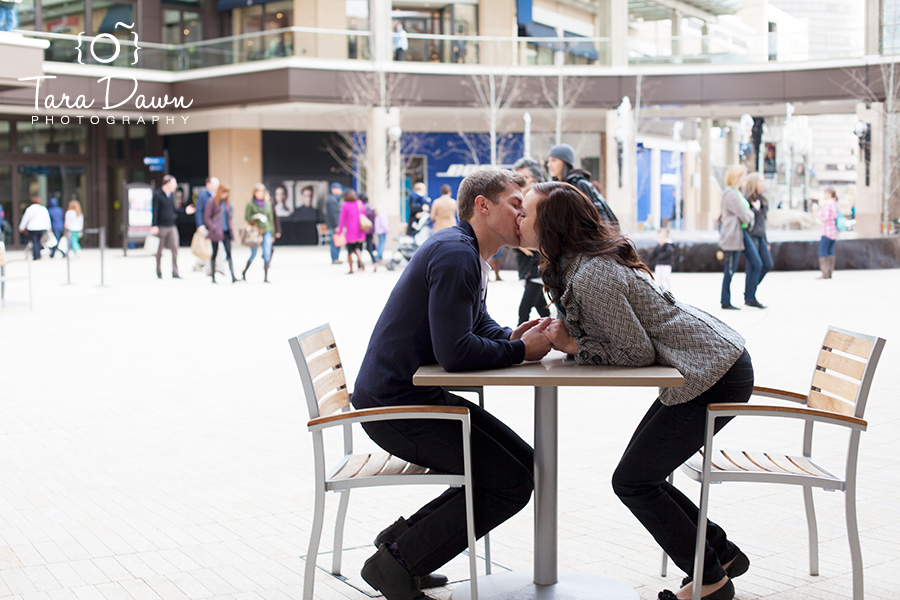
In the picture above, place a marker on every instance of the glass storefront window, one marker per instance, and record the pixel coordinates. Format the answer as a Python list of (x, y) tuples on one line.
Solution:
[(115, 142), (41, 138), (106, 14), (5, 139), (63, 183), (137, 141), (465, 22), (267, 17), (26, 15), (63, 16), (358, 20), (171, 27)]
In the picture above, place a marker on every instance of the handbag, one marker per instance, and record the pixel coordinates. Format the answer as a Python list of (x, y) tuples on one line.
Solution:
[(841, 221), (249, 237), (339, 239), (364, 222), (201, 246), (151, 244)]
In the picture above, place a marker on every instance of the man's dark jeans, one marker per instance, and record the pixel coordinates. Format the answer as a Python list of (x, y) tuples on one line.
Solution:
[(502, 470), (666, 437)]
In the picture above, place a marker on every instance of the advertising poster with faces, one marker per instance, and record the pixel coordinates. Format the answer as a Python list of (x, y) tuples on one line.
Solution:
[(295, 200)]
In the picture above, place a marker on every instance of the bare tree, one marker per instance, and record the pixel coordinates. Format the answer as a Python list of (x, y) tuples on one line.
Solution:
[(562, 99), (496, 95), (888, 96)]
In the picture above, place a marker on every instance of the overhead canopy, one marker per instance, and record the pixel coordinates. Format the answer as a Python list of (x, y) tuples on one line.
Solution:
[(117, 13), (660, 10), (582, 49), (223, 5), (537, 30)]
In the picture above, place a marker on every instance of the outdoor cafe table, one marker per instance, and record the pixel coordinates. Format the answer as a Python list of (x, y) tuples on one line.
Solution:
[(547, 376)]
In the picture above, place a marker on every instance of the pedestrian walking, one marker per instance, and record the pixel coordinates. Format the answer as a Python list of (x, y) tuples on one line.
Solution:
[(828, 214), (662, 258), (381, 229), (400, 42), (528, 262), (203, 198), (753, 191), (261, 215), (349, 225), (734, 238), (163, 224), (217, 217), (415, 203), (333, 216), (370, 234), (561, 163), (57, 224), (74, 224), (36, 221)]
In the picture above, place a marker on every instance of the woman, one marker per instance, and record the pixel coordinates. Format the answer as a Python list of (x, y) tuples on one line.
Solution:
[(74, 224), (611, 312), (349, 224), (753, 191), (734, 239), (369, 211), (217, 218), (382, 228), (36, 221), (259, 214), (561, 163), (828, 215)]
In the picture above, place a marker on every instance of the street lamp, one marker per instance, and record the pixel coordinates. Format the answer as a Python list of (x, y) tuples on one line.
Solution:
[(863, 132), (621, 136)]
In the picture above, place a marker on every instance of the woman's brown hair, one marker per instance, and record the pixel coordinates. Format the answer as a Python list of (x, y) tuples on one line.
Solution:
[(567, 224), (223, 189), (76, 206)]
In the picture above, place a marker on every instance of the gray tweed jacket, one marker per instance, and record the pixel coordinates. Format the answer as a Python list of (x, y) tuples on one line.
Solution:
[(619, 316)]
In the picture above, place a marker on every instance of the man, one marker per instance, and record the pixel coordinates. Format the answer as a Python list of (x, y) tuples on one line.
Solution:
[(208, 193), (437, 314), (401, 42), (333, 218), (164, 223), (443, 210)]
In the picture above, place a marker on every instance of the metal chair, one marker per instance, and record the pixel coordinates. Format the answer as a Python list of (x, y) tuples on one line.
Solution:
[(324, 234), (840, 387), (328, 401)]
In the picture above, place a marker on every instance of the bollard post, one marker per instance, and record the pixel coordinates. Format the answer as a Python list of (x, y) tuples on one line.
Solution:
[(68, 264), (102, 245)]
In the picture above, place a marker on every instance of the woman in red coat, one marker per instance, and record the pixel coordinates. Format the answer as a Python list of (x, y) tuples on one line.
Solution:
[(217, 218)]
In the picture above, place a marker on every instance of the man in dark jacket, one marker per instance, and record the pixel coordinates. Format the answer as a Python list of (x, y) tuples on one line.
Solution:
[(164, 224), (57, 223), (437, 314), (333, 217)]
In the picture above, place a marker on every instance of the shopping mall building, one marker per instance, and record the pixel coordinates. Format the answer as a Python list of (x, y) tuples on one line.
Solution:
[(657, 97)]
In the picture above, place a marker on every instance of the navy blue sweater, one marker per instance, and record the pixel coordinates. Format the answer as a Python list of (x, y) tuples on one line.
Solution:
[(436, 314)]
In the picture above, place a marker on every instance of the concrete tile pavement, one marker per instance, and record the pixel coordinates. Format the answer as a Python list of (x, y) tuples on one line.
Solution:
[(153, 442)]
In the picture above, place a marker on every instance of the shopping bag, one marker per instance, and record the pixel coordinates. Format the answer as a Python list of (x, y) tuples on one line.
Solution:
[(339, 239), (201, 246), (249, 237), (48, 240), (151, 244), (63, 245)]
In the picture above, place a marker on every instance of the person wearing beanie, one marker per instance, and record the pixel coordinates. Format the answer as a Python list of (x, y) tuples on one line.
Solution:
[(561, 163), (333, 217)]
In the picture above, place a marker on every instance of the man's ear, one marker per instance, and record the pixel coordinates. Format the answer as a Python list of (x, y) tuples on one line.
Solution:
[(482, 205)]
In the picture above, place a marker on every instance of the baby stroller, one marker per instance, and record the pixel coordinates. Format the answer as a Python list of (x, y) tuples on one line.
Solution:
[(408, 244)]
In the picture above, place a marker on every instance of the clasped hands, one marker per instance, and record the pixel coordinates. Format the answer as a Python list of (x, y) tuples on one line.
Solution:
[(542, 335)]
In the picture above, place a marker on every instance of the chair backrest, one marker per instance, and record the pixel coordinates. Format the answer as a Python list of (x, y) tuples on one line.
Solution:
[(844, 372), (319, 364)]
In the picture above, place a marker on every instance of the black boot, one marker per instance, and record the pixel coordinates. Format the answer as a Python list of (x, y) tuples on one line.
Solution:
[(384, 573), (212, 266), (244, 273), (390, 535), (231, 268), (266, 269)]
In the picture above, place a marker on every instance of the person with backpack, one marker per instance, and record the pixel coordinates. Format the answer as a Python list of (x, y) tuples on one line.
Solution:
[(561, 163)]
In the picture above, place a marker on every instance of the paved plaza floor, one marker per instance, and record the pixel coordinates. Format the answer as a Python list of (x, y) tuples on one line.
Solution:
[(153, 441)]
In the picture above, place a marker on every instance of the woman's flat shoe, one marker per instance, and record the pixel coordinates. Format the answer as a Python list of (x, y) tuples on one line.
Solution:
[(729, 307), (726, 592), (738, 567)]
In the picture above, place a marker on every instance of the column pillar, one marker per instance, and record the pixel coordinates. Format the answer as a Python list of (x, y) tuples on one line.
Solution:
[(324, 14), (497, 18), (235, 157), (384, 164), (618, 32), (874, 14), (704, 216), (677, 46), (619, 187), (870, 199), (382, 38)]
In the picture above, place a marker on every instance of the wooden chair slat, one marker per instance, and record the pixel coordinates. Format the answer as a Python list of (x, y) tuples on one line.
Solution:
[(329, 382), (822, 402), (317, 341), (334, 402), (414, 469), (804, 465), (394, 466), (764, 462), (324, 362), (841, 364), (848, 344), (352, 466), (374, 465), (737, 460), (835, 385)]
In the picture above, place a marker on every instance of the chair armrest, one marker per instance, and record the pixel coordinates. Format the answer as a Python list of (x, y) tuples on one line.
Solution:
[(390, 413), (730, 409), (780, 394)]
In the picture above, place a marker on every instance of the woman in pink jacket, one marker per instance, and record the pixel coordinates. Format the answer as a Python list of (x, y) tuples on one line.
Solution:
[(349, 225)]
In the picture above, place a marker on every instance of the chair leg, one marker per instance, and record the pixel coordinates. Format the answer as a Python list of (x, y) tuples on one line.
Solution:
[(315, 536), (470, 529), (339, 532), (700, 549), (853, 537), (487, 554), (813, 531), (664, 562)]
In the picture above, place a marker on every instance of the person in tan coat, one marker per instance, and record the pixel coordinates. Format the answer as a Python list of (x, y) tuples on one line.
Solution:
[(443, 210)]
